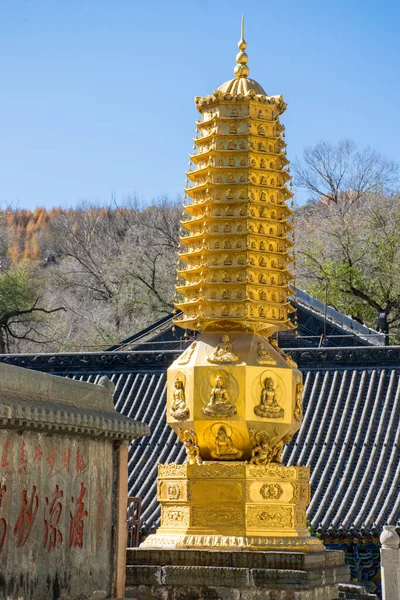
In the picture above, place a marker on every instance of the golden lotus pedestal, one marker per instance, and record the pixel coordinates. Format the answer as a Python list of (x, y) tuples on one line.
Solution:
[(233, 505)]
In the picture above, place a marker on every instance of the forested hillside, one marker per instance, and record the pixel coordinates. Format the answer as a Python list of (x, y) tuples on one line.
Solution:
[(85, 278), (81, 279)]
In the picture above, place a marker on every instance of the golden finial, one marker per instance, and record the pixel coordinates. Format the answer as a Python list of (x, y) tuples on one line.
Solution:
[(241, 69)]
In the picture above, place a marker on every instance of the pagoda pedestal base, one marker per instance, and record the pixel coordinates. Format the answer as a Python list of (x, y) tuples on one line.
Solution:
[(233, 506), (234, 575)]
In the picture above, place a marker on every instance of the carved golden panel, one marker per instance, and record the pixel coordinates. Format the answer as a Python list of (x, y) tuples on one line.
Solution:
[(217, 516), (271, 491), (175, 516), (216, 491), (171, 490), (269, 517), (172, 470), (272, 470), (217, 470)]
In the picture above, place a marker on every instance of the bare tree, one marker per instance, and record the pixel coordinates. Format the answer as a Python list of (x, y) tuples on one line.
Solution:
[(331, 171)]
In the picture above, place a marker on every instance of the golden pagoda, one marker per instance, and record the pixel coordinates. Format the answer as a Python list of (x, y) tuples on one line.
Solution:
[(233, 271), (233, 397)]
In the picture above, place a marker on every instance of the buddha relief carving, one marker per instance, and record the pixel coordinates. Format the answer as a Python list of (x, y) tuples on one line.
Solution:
[(219, 403), (179, 408), (224, 447), (223, 352), (263, 356), (187, 354), (298, 409), (268, 406)]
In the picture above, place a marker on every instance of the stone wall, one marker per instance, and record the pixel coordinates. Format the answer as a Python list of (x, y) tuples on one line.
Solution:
[(61, 500)]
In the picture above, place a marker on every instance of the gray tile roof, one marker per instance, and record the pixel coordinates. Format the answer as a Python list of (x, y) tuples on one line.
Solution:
[(349, 436)]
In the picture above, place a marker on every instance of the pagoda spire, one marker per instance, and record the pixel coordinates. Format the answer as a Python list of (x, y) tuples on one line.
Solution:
[(241, 69)]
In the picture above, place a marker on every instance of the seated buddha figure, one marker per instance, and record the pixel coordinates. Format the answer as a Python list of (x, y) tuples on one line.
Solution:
[(223, 352), (179, 408), (263, 356), (219, 403), (224, 446), (269, 407)]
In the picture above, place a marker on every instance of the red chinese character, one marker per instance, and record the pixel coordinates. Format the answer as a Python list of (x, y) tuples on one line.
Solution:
[(22, 459), (26, 516), (76, 522), (37, 456), (53, 536), (66, 459), (51, 459), (4, 456), (80, 463), (3, 523)]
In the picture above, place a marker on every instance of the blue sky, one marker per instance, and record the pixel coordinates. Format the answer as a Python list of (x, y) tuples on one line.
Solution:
[(97, 96)]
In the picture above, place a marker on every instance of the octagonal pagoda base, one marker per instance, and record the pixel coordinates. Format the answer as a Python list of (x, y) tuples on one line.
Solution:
[(233, 506)]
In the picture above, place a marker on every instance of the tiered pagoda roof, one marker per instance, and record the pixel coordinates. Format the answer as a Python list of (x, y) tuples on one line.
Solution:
[(235, 245)]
